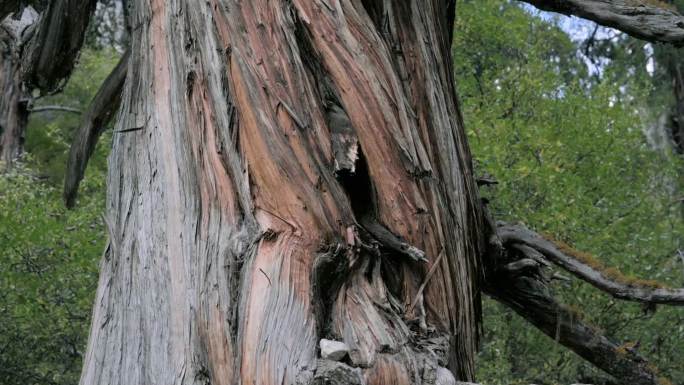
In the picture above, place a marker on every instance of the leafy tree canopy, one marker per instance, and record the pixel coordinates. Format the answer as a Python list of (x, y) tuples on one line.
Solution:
[(571, 159)]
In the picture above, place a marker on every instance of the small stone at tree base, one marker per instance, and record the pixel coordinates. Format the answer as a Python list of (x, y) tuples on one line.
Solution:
[(445, 377), (333, 350)]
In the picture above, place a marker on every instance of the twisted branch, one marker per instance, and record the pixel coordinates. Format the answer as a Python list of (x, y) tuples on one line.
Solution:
[(591, 271)]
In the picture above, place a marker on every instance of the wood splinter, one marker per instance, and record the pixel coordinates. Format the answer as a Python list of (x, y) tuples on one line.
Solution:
[(391, 241)]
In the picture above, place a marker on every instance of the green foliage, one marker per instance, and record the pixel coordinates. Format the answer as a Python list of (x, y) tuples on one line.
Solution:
[(49, 133), (567, 148), (48, 275), (572, 161), (49, 255)]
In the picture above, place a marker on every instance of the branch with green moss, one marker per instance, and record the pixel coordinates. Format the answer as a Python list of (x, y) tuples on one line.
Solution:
[(589, 269)]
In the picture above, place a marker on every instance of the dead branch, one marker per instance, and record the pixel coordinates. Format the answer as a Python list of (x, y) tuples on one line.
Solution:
[(101, 110), (640, 19), (55, 108), (386, 238), (532, 299)]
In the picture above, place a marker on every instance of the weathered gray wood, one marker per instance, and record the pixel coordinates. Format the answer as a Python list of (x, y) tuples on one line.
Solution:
[(641, 19), (51, 53)]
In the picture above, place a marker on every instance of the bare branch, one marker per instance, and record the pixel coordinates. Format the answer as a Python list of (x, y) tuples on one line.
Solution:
[(531, 299), (102, 109), (55, 108), (637, 18), (590, 270)]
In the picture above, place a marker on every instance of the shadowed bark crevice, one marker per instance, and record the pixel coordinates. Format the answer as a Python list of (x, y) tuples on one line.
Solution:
[(329, 272), (7, 7)]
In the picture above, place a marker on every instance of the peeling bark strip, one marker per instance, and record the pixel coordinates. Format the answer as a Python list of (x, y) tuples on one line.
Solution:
[(638, 18), (640, 291), (232, 200), (100, 112)]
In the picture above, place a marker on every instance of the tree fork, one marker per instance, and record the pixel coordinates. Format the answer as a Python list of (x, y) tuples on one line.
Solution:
[(14, 105)]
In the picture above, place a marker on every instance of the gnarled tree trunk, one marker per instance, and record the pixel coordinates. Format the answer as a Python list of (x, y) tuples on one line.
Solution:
[(290, 170), (13, 104), (14, 97), (283, 171)]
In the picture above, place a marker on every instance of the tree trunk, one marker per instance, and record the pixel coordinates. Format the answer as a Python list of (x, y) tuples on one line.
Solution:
[(13, 104), (14, 97), (279, 172), (676, 69), (37, 52)]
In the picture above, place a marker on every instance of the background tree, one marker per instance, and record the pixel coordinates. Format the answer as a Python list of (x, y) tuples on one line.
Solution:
[(48, 255), (568, 151)]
